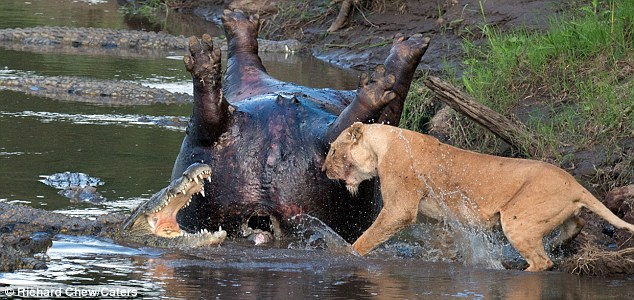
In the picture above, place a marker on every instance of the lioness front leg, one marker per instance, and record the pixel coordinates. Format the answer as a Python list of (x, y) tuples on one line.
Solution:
[(385, 226)]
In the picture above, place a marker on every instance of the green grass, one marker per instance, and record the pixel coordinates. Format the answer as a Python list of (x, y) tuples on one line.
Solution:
[(576, 81)]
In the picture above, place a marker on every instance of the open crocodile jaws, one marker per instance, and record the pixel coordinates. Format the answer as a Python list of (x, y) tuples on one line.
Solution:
[(157, 216)]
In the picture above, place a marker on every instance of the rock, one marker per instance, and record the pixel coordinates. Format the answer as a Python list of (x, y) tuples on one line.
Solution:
[(621, 202)]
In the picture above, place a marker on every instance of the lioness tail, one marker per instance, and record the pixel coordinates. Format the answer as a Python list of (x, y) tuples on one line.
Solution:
[(598, 208)]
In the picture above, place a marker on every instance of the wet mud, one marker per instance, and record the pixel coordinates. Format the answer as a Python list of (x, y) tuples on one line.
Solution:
[(366, 38)]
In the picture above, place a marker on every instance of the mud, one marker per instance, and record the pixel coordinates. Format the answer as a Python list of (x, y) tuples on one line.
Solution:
[(366, 39)]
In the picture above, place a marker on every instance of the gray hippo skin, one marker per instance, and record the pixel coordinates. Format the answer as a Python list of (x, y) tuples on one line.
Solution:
[(266, 140)]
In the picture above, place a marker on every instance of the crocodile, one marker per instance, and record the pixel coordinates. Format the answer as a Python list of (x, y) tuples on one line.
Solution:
[(158, 215), (77, 186), (89, 37), (26, 232), (89, 90)]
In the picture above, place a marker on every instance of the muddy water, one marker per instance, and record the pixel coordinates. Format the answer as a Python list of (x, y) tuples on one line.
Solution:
[(41, 136)]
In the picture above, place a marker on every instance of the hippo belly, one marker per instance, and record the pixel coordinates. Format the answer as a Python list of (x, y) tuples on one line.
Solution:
[(267, 169)]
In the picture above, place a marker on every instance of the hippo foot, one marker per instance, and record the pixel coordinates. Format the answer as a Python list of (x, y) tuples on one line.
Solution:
[(380, 88), (386, 91), (242, 31), (409, 50), (203, 61), (376, 90)]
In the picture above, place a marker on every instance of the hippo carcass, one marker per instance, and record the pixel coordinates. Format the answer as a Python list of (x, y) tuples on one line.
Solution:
[(266, 140)]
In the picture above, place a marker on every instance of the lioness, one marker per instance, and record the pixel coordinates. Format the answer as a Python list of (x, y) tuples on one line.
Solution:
[(419, 174)]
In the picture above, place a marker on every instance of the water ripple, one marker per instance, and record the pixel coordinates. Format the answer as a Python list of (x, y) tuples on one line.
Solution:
[(176, 123)]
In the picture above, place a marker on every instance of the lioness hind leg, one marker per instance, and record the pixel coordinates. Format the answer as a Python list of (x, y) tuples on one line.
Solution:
[(568, 231), (528, 242), (532, 249)]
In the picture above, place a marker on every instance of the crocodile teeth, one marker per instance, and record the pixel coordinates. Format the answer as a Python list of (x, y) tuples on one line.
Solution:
[(209, 179), (219, 228), (196, 180), (202, 192)]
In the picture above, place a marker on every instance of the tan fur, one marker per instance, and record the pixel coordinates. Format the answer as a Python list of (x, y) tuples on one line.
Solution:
[(418, 174)]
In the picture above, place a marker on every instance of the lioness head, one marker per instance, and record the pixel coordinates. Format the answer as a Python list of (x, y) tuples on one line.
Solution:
[(350, 158)]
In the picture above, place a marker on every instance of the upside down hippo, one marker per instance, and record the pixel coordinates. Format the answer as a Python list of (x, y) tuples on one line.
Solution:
[(266, 140)]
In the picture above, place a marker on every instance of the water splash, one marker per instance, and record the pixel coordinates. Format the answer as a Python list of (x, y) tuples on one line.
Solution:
[(474, 243), (311, 233)]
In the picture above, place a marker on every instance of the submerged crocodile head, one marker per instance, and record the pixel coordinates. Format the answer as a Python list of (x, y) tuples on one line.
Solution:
[(154, 222)]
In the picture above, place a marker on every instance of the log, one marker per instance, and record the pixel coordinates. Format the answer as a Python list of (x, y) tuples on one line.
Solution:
[(511, 131), (342, 17)]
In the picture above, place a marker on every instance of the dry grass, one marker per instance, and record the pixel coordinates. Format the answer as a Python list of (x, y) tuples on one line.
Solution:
[(594, 261)]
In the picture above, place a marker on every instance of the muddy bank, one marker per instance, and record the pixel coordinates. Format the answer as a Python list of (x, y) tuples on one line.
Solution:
[(365, 39)]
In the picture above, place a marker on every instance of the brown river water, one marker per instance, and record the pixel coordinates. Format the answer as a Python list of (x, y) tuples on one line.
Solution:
[(42, 136)]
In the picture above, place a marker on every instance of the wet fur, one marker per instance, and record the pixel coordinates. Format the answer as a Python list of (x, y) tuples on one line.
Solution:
[(528, 198)]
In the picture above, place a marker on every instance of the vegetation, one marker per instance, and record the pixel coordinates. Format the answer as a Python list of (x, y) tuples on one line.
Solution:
[(152, 8), (292, 16), (572, 86)]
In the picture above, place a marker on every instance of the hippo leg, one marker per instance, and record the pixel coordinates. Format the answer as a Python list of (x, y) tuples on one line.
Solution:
[(402, 61), (246, 75), (211, 111), (210, 114), (381, 95)]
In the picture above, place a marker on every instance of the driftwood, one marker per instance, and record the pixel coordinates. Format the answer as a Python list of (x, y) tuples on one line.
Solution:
[(344, 12), (511, 131)]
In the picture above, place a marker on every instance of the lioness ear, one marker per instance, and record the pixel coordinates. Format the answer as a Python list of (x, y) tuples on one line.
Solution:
[(356, 131)]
